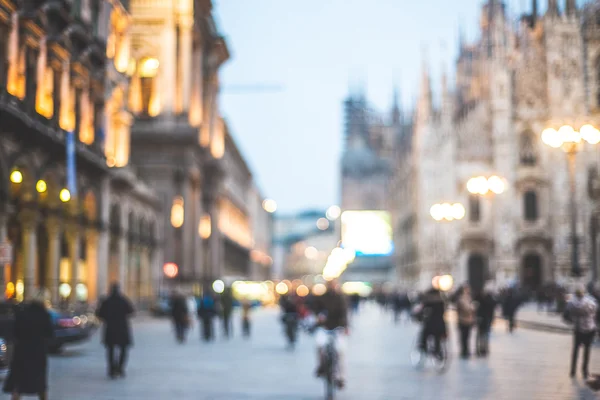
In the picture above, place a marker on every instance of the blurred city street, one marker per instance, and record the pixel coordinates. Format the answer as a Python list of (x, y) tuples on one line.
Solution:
[(527, 365)]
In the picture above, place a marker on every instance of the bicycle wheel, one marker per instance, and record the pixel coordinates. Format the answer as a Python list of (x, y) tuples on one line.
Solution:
[(329, 379), (441, 361), (417, 356)]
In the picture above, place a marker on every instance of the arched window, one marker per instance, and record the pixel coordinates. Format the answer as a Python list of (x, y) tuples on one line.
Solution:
[(528, 152), (474, 208), (530, 203)]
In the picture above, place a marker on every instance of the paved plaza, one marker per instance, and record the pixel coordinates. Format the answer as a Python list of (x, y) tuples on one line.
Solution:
[(527, 365)]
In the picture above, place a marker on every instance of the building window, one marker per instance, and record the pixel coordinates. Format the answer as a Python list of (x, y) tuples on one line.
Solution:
[(528, 153), (474, 208), (531, 206), (150, 102)]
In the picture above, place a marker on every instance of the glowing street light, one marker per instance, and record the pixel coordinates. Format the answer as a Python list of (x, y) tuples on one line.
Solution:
[(333, 213), (571, 141), (41, 186), (322, 223), (64, 195), (269, 205), (16, 176), (482, 185), (218, 286), (447, 211)]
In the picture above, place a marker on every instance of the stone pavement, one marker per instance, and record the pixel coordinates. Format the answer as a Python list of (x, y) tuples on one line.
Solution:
[(526, 365), (529, 317)]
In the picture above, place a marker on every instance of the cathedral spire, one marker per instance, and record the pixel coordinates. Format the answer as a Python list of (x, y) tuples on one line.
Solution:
[(396, 112), (553, 8), (571, 8), (534, 12), (425, 105)]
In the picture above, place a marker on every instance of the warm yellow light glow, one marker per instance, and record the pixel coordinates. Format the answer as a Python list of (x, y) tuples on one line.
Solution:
[(16, 176), (359, 288), (311, 253), (282, 288), (447, 211), (302, 291), (322, 223), (269, 205), (569, 135), (204, 228), (590, 134), (41, 186), (64, 290), (551, 138), (65, 195), (436, 212), (445, 282), (458, 211), (496, 184), (177, 212), (218, 286), (333, 213), (170, 270), (10, 290), (319, 289), (149, 68)]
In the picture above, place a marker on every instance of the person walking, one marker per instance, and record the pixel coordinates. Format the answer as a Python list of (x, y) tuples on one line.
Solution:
[(510, 305), (115, 312), (29, 366), (246, 308), (581, 311), (207, 310), (466, 319), (227, 310), (486, 308), (180, 315)]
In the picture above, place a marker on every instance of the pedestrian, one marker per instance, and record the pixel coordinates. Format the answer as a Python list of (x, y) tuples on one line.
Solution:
[(227, 310), (115, 311), (207, 310), (246, 308), (29, 366), (581, 311), (180, 315), (510, 306), (466, 319), (486, 309)]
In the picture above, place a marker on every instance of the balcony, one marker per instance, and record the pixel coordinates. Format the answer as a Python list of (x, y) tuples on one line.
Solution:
[(476, 235)]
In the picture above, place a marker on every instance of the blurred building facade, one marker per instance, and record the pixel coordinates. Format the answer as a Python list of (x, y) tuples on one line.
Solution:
[(181, 145), (509, 86), (301, 244), (56, 189), (370, 142)]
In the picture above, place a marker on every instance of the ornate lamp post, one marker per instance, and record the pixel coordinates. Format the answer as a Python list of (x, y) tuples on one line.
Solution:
[(571, 142)]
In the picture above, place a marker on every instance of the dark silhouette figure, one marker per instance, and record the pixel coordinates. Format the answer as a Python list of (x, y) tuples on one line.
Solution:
[(510, 305), (180, 315), (227, 309), (485, 317), (431, 313), (29, 367), (246, 308), (115, 312), (207, 310), (581, 311)]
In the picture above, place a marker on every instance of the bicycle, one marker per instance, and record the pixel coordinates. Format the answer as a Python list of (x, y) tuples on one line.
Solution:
[(439, 361), (331, 363)]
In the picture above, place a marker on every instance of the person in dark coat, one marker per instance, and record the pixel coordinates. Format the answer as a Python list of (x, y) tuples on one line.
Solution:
[(115, 312), (207, 310), (510, 305), (180, 315), (486, 308), (227, 309), (29, 366), (431, 311)]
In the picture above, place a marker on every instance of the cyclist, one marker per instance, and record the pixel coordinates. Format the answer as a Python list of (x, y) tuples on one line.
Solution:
[(332, 310), (432, 310)]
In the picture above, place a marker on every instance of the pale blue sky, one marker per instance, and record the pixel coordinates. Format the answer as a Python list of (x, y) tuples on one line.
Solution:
[(315, 49)]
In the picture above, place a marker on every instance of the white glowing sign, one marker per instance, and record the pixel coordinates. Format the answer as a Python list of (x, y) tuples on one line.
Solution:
[(368, 233)]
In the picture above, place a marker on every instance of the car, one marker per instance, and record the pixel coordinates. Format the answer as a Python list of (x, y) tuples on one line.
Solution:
[(70, 327)]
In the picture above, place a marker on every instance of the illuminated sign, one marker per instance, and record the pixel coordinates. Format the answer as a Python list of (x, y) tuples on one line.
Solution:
[(368, 233)]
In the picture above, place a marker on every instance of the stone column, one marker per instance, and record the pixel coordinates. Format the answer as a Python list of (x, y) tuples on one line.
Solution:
[(124, 252), (103, 240), (185, 62), (31, 63), (29, 238), (57, 74), (73, 240), (91, 275), (53, 225), (168, 68)]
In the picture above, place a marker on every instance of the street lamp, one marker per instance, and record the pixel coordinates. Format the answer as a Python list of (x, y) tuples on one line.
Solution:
[(482, 185), (447, 211), (571, 142)]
